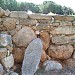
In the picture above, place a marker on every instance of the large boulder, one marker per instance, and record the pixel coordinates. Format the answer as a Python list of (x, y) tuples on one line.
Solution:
[(32, 57), (9, 23), (52, 65), (18, 54), (24, 36), (45, 38), (60, 52)]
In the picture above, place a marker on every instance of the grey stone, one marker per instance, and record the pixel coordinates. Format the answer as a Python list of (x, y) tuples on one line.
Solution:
[(52, 65), (32, 57), (5, 39), (63, 39), (1, 70), (13, 73)]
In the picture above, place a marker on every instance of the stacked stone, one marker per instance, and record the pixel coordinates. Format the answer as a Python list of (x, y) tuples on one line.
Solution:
[(57, 33)]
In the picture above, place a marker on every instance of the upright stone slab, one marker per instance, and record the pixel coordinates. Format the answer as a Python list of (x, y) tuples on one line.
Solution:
[(32, 57)]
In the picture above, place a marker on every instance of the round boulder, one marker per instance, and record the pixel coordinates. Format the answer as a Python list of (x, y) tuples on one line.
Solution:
[(24, 36), (60, 52)]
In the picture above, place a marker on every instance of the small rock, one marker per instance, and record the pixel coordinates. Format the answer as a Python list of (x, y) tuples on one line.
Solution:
[(7, 12), (52, 65), (3, 53), (32, 57), (8, 62)]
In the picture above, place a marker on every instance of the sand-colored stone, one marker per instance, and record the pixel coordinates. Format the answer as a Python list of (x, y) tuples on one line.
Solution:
[(60, 52)]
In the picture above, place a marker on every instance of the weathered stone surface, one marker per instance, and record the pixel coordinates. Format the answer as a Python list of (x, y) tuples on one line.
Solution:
[(13, 73), (42, 26), (40, 16), (28, 22), (19, 14), (1, 70), (7, 13), (55, 24), (70, 63), (14, 14), (63, 39), (10, 23), (9, 47), (73, 55), (3, 52), (64, 30), (5, 39), (32, 57), (12, 32), (60, 52), (18, 27), (2, 12), (43, 56), (24, 36), (18, 54), (52, 65), (65, 23), (64, 18), (74, 23), (45, 38), (43, 21), (22, 14), (1, 21), (2, 28), (6, 63)]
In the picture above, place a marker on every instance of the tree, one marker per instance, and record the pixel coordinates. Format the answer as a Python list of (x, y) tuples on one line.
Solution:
[(50, 6)]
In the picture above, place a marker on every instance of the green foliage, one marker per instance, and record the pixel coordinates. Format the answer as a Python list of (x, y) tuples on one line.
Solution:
[(46, 7)]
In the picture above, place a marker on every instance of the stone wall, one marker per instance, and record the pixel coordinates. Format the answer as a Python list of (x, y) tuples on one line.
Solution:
[(57, 33)]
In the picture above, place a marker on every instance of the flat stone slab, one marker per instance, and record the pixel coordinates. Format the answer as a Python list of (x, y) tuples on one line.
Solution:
[(32, 57)]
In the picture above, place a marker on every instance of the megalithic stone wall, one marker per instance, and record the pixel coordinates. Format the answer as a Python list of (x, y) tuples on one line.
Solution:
[(57, 33)]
